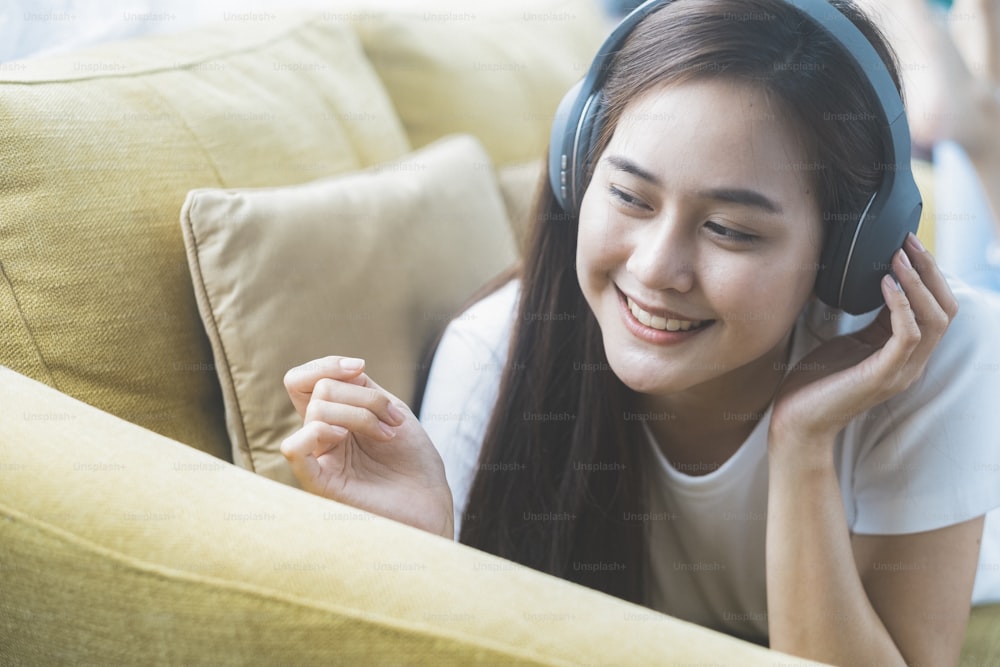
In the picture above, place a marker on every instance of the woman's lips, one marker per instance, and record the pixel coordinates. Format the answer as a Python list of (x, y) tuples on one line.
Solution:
[(658, 328)]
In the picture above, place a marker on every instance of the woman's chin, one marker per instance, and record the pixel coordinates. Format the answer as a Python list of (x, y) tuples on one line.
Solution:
[(640, 378)]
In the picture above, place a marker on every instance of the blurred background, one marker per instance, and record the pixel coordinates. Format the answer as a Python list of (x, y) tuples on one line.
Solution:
[(948, 52)]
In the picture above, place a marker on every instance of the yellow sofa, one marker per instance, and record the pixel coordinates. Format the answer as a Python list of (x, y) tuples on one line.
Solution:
[(121, 545)]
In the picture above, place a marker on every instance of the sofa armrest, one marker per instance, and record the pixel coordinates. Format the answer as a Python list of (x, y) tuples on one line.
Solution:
[(119, 545)]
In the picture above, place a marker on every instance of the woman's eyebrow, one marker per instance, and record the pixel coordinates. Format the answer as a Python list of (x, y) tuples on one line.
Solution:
[(624, 164), (744, 198), (739, 196)]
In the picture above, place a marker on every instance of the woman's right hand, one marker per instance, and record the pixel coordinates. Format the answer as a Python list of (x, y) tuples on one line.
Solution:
[(362, 446)]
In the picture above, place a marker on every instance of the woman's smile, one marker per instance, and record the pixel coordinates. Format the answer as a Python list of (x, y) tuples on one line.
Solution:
[(659, 327)]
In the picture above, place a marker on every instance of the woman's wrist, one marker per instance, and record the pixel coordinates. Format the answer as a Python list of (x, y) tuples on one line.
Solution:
[(448, 524), (798, 452), (448, 530)]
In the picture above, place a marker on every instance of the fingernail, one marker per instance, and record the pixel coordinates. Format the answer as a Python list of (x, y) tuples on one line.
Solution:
[(388, 430), (916, 242), (338, 431), (891, 282), (395, 414), (906, 260), (352, 364)]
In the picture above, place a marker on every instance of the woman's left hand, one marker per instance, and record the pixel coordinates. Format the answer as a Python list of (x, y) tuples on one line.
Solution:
[(850, 374)]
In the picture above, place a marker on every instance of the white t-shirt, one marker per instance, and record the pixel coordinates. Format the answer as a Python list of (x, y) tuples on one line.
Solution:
[(925, 459)]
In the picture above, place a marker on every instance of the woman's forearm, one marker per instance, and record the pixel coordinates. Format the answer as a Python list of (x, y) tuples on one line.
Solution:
[(817, 606)]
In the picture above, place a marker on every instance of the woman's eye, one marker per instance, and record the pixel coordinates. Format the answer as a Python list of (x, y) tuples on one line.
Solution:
[(729, 234), (627, 199)]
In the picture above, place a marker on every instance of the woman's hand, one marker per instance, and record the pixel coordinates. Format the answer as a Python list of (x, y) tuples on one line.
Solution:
[(850, 374), (362, 446)]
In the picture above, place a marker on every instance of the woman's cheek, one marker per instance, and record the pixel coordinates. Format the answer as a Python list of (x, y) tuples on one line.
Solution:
[(599, 247), (747, 288)]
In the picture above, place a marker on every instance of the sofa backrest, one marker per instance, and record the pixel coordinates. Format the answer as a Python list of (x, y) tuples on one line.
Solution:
[(100, 148)]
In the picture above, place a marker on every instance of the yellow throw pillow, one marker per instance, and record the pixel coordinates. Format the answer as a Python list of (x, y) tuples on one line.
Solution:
[(370, 265), (100, 148), (496, 74)]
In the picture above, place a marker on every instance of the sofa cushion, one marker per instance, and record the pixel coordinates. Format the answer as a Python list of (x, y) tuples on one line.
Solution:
[(99, 150), (369, 265), (129, 548), (494, 70)]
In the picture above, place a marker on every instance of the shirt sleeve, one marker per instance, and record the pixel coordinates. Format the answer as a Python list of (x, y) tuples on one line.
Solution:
[(462, 388), (930, 457)]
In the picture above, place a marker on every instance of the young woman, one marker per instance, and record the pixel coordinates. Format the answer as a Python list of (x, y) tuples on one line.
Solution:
[(657, 405)]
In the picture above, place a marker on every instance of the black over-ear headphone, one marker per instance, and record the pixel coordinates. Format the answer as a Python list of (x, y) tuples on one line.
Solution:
[(856, 253)]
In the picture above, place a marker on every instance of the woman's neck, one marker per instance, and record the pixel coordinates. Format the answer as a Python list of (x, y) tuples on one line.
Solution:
[(700, 428)]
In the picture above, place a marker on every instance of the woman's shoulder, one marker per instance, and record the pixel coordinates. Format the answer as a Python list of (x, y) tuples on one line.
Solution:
[(978, 319), (955, 398), (970, 346), (496, 307), (927, 457), (489, 321)]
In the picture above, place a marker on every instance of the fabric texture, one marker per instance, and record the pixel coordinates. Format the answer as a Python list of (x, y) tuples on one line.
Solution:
[(470, 68), (285, 275), (101, 147), (923, 460), (191, 560)]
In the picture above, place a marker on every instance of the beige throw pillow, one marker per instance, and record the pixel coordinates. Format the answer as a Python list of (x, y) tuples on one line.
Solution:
[(99, 148), (370, 265), (519, 187)]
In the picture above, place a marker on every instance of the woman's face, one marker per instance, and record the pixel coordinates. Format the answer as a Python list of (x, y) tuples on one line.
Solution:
[(699, 237)]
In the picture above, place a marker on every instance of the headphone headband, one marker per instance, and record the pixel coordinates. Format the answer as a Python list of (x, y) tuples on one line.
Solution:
[(855, 253)]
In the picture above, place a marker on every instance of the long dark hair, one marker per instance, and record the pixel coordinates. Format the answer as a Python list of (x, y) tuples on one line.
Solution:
[(560, 485)]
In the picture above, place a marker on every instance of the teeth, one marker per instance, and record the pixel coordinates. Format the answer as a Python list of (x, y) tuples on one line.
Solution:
[(642, 315), (661, 323)]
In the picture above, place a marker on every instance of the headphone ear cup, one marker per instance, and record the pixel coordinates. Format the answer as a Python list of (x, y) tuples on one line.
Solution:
[(857, 254), (574, 132), (833, 259), (561, 142), (590, 129), (881, 234)]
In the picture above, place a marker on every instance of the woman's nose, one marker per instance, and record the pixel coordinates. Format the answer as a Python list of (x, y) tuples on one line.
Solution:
[(663, 256)]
